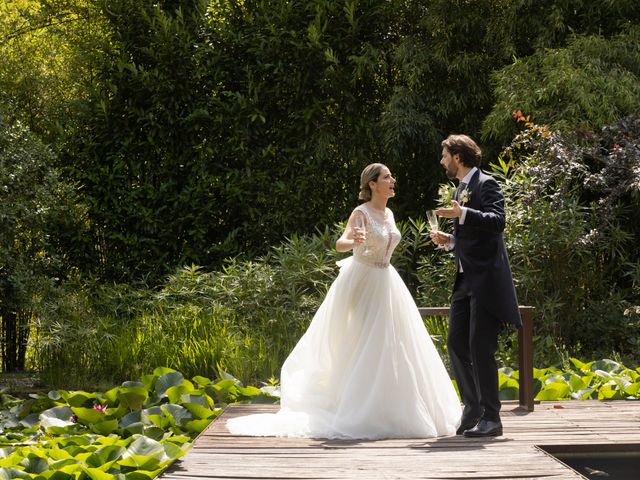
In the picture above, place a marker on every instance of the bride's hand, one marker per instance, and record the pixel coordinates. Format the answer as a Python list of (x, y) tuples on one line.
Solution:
[(359, 235)]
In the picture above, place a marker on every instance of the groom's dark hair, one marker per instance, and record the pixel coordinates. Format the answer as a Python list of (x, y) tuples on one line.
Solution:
[(463, 145)]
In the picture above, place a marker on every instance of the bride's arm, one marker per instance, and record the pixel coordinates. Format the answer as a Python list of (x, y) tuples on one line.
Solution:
[(352, 235)]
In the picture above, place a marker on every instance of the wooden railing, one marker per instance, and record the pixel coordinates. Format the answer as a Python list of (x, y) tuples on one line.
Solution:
[(525, 351)]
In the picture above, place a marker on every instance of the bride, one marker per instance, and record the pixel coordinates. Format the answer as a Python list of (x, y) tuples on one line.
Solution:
[(366, 368)]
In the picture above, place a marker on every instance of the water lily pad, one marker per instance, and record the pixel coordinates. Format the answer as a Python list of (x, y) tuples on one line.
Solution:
[(166, 381), (9, 473)]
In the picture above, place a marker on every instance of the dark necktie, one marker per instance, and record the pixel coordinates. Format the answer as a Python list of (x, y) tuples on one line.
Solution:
[(461, 187)]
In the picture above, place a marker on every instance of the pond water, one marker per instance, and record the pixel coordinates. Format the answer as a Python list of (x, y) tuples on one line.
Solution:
[(600, 462)]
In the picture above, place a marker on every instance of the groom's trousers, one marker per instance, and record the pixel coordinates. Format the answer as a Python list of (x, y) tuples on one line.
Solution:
[(472, 342)]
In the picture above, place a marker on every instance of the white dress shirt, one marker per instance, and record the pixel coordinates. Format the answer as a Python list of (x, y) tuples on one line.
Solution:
[(450, 245)]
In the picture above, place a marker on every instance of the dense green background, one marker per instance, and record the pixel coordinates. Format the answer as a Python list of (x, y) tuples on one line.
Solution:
[(139, 136)]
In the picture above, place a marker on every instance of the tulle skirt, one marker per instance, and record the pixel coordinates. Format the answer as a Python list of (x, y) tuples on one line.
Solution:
[(365, 369)]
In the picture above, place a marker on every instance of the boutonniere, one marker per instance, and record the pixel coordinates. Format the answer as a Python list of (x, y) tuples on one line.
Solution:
[(464, 196)]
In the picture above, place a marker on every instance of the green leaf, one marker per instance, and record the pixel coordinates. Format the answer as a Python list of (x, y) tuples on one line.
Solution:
[(580, 365), (133, 384), (606, 365), (198, 411), (55, 395), (553, 391), (12, 460), (144, 446), (156, 433), (201, 381), (134, 428), (34, 464), (177, 414), (249, 391), (58, 454), (168, 380), (9, 473), (176, 393), (148, 381), (609, 392), (142, 462), (112, 395), (539, 373), (81, 440), (142, 474), (6, 451), (159, 371), (58, 475), (133, 398), (97, 474), (64, 463), (105, 455), (584, 394), (633, 389), (201, 399), (78, 399), (56, 417), (160, 421), (227, 376), (577, 383), (30, 420), (508, 387), (88, 415), (130, 418), (106, 427), (197, 426)]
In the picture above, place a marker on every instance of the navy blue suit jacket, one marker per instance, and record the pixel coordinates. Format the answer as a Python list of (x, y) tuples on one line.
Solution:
[(481, 250)]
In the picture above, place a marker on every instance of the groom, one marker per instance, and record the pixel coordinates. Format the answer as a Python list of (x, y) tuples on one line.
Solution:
[(484, 296)]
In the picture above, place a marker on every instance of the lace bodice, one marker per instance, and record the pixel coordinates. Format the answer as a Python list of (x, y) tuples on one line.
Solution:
[(382, 239)]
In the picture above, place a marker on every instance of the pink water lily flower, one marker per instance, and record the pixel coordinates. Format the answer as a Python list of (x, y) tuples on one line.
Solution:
[(101, 408)]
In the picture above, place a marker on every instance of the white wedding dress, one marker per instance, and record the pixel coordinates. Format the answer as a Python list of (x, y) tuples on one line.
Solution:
[(366, 368)]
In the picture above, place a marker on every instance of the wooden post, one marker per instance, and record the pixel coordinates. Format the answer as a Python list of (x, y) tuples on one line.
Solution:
[(525, 358), (525, 351)]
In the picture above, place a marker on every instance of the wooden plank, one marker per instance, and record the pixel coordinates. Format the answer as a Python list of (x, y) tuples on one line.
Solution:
[(218, 455)]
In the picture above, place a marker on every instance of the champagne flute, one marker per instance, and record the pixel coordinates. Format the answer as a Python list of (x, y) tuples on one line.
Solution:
[(360, 223), (433, 220)]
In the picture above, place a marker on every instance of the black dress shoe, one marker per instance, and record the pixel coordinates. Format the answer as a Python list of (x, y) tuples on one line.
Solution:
[(467, 422), (485, 428)]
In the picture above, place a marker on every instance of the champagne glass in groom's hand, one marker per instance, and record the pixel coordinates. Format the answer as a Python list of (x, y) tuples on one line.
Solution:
[(433, 220)]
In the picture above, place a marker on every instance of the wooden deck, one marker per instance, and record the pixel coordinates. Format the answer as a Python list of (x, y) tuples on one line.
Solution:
[(218, 455)]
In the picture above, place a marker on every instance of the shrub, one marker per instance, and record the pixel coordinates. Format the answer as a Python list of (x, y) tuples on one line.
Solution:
[(573, 203)]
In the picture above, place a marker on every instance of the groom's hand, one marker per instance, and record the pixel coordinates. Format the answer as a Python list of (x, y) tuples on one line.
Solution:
[(454, 211), (439, 238)]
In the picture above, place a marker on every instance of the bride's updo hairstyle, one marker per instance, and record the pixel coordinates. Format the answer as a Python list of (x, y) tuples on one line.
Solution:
[(369, 174)]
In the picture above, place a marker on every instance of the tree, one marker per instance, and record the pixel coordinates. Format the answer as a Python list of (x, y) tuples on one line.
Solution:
[(590, 83), (39, 220), (46, 49), (134, 144)]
